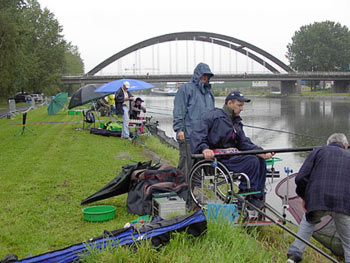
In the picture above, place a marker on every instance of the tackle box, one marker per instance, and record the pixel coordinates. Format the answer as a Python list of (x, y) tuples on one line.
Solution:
[(168, 204)]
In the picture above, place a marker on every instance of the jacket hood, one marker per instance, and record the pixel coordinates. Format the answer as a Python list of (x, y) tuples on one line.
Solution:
[(199, 71)]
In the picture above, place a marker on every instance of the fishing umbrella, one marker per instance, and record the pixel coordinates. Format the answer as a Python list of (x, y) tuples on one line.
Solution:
[(119, 185), (84, 95), (113, 86), (57, 103)]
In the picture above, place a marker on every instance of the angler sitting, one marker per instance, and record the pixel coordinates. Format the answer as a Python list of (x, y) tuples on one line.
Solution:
[(223, 128)]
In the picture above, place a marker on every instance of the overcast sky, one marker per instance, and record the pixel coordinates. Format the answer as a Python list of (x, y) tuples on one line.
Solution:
[(105, 27)]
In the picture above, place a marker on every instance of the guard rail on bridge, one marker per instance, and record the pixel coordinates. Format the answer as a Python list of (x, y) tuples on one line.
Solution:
[(86, 79)]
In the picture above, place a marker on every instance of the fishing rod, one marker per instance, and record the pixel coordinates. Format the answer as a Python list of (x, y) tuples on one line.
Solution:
[(253, 152), (286, 229), (292, 133), (160, 108), (160, 113)]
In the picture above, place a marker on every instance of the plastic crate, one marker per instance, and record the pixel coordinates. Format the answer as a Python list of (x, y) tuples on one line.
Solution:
[(71, 112), (222, 212)]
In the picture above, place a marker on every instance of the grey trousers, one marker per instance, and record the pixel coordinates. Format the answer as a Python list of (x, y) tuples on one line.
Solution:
[(306, 229), (185, 159)]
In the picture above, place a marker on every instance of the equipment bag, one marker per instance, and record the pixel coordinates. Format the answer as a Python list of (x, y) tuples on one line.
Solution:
[(89, 117), (159, 233), (144, 183)]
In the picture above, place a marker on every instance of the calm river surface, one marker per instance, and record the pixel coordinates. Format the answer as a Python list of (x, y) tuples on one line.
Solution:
[(314, 117)]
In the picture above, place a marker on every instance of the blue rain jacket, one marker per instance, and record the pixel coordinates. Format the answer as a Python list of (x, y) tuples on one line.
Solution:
[(215, 131), (192, 101)]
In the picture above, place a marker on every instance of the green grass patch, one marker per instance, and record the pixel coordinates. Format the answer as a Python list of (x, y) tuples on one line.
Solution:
[(45, 176)]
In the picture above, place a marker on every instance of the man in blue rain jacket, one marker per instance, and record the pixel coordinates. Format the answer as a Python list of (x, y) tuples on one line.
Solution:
[(192, 100), (223, 128)]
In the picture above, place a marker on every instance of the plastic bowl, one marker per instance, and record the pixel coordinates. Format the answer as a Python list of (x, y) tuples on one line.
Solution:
[(99, 213)]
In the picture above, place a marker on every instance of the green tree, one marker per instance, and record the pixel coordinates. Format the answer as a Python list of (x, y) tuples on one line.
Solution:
[(10, 45), (321, 46), (73, 65), (44, 49)]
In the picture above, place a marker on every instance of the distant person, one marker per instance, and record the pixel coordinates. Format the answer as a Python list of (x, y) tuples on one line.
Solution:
[(123, 99), (192, 100), (223, 128), (323, 183), (111, 103), (136, 108), (102, 106)]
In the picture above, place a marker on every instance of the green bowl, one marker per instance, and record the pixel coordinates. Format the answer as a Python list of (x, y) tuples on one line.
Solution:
[(99, 213)]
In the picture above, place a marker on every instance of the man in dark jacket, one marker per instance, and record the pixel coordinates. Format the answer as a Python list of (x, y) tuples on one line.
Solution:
[(323, 183), (223, 128), (192, 100), (136, 108), (123, 99)]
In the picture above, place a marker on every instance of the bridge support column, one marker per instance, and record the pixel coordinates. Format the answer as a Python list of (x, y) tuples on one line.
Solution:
[(289, 87), (341, 86)]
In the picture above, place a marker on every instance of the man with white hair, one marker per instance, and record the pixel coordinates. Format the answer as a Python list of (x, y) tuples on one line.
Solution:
[(123, 98), (323, 183)]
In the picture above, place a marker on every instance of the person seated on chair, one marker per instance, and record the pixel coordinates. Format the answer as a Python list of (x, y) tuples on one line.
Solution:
[(102, 106), (223, 128), (136, 109), (123, 99)]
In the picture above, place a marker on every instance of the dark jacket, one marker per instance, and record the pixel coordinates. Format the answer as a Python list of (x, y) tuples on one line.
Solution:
[(192, 101), (324, 180), (216, 130), (119, 101), (135, 110)]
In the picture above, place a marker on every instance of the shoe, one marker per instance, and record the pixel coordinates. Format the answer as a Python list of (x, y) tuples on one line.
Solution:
[(293, 259)]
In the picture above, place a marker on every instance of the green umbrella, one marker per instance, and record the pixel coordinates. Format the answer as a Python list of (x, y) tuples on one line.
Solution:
[(57, 103)]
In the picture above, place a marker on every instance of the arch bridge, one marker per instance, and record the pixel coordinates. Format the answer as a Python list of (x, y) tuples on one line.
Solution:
[(288, 78)]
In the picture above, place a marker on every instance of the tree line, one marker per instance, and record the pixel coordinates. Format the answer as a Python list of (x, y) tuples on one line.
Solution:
[(33, 52)]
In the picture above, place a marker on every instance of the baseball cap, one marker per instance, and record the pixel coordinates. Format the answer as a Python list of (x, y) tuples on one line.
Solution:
[(139, 99), (236, 95), (126, 84)]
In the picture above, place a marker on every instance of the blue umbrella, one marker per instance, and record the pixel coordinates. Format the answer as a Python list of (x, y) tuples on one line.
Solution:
[(113, 86)]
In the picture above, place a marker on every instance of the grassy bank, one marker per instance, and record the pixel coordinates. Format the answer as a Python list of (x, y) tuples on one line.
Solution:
[(45, 176)]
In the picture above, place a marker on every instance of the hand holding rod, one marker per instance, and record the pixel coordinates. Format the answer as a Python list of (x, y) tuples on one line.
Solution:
[(253, 152)]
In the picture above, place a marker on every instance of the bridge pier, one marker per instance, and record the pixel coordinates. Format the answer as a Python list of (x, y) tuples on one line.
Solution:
[(341, 86), (290, 87)]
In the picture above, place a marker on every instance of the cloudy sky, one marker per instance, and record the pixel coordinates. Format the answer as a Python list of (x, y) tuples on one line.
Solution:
[(105, 27)]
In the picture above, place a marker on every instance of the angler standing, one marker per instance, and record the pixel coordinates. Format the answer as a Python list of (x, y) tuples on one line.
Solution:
[(323, 183), (192, 101)]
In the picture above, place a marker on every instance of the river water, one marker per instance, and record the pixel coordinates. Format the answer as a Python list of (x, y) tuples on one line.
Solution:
[(314, 117)]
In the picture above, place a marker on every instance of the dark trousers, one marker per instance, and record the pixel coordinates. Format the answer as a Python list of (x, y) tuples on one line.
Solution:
[(185, 159), (252, 166)]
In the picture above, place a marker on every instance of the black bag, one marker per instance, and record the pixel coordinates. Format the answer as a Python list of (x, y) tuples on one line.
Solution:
[(144, 183), (89, 117)]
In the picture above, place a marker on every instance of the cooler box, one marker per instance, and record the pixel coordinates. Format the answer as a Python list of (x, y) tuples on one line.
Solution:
[(168, 205)]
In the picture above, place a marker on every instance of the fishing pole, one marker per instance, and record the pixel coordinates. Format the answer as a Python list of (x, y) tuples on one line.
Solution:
[(286, 229), (253, 152), (160, 108), (160, 113), (292, 133)]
